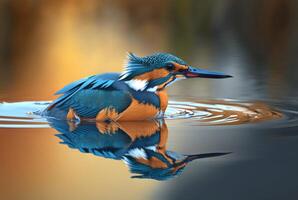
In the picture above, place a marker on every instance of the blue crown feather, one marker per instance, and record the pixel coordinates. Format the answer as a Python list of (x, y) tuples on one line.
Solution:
[(135, 65), (139, 65)]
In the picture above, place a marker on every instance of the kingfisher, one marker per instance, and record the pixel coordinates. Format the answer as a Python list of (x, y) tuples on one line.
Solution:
[(141, 145), (138, 93)]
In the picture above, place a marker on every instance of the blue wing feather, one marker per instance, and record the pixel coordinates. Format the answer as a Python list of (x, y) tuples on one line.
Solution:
[(104, 80), (89, 95), (89, 102), (71, 86)]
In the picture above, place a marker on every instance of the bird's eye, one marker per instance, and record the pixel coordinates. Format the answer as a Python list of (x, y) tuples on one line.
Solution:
[(170, 66)]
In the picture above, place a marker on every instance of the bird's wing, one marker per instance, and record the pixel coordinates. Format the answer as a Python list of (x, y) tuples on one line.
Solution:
[(89, 95), (93, 82), (89, 102)]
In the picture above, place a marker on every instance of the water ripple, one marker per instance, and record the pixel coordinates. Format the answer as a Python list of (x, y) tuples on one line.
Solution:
[(202, 112), (222, 112)]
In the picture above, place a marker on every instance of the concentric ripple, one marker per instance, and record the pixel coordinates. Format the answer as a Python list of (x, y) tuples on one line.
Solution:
[(203, 112), (221, 112)]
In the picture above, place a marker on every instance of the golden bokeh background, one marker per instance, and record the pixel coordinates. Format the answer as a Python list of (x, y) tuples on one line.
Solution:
[(45, 44)]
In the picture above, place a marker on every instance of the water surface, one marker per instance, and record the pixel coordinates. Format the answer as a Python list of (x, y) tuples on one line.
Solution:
[(194, 137), (199, 143)]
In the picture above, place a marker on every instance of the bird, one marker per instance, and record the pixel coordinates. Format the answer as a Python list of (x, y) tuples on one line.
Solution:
[(141, 145), (138, 93)]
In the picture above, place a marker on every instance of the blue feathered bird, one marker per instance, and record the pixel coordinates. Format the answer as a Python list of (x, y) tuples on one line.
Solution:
[(141, 145), (138, 93)]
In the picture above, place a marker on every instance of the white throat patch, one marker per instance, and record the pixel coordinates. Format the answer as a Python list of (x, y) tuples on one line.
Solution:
[(137, 84), (137, 153), (153, 89)]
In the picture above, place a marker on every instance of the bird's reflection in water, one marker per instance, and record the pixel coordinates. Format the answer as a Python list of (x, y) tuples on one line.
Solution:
[(141, 145)]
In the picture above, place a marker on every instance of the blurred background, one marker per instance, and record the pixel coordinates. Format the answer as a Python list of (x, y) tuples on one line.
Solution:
[(45, 44)]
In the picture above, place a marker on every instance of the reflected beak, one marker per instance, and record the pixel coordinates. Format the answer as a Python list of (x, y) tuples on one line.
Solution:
[(190, 158), (193, 72)]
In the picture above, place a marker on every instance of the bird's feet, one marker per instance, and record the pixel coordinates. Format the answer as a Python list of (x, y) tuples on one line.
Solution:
[(73, 119), (72, 116)]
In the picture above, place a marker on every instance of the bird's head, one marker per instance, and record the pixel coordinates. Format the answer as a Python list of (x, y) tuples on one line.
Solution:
[(157, 71), (163, 165)]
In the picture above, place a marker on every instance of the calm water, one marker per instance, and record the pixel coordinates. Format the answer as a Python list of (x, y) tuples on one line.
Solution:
[(215, 147)]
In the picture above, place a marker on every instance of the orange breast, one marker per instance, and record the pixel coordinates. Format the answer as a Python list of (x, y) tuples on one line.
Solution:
[(138, 111), (163, 98)]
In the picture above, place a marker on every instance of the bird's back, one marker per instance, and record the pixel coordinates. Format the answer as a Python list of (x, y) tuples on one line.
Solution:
[(104, 97)]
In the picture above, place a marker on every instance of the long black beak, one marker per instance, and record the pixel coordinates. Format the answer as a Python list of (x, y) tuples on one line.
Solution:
[(190, 158), (193, 72)]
